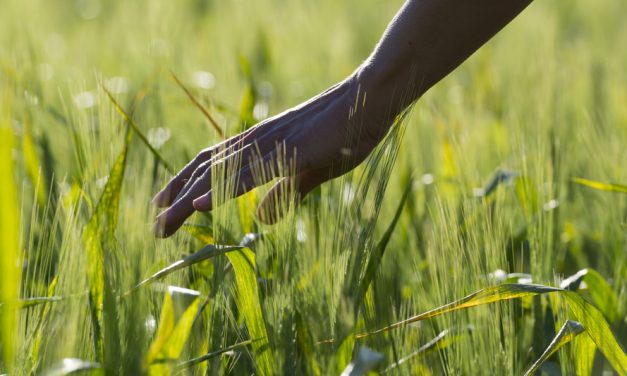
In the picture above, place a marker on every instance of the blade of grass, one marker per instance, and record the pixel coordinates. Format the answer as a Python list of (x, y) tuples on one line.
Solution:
[(198, 105), (206, 252), (607, 187), (589, 316), (249, 97), (32, 302), (200, 232), (377, 255), (598, 329), (213, 354), (444, 339), (243, 261), (602, 293), (9, 233), (138, 131), (33, 164), (164, 329), (488, 295), (567, 333), (170, 339), (97, 237)]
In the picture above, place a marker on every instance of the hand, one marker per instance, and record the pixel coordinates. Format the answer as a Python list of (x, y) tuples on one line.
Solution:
[(320, 139)]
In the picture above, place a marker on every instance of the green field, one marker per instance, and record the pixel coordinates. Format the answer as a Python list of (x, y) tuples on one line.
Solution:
[(508, 179)]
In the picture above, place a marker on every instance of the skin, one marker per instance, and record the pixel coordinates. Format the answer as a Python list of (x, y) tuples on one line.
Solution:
[(336, 130)]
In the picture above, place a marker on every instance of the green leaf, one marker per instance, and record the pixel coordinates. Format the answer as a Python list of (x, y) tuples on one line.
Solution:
[(200, 232), (249, 97), (39, 331), (98, 238), (164, 329), (35, 301), (607, 187), (567, 333), (598, 329), (377, 254), (213, 354), (584, 350), (243, 261), (444, 339), (528, 196), (344, 352), (9, 233), (205, 253), (488, 295), (33, 165), (170, 339), (585, 313), (602, 293)]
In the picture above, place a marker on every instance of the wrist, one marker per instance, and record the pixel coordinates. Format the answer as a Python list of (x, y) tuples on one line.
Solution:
[(383, 94)]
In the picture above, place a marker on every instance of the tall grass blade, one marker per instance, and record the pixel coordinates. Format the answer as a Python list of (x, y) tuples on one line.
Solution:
[(35, 301), (585, 313), (488, 295), (607, 187), (43, 319), (598, 329), (200, 232), (444, 339), (243, 261), (249, 97), (198, 105), (213, 354), (98, 238), (604, 297), (567, 333), (33, 165), (170, 339), (138, 131), (205, 253), (377, 255), (9, 233)]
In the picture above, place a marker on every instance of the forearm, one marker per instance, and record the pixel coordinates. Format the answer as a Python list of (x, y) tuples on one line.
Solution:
[(425, 41)]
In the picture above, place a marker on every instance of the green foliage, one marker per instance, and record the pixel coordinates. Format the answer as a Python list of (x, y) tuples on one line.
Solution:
[(567, 333), (243, 261), (495, 201), (9, 235)]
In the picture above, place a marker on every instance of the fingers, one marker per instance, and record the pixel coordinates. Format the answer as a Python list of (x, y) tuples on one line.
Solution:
[(199, 193), (173, 190), (170, 220), (166, 196)]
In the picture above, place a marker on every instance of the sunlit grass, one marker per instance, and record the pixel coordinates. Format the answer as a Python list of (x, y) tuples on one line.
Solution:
[(504, 185)]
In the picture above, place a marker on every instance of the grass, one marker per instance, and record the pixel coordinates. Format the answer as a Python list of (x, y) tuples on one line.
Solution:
[(487, 235)]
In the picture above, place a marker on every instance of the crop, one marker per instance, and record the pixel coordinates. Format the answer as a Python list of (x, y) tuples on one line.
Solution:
[(486, 235)]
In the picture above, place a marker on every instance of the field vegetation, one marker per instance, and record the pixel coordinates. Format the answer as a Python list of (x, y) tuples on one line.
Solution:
[(487, 235)]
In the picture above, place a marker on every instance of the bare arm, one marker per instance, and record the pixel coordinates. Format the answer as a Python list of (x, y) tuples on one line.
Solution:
[(428, 39), (425, 41)]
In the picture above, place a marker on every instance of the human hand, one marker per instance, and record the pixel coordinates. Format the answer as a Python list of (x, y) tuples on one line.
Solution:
[(320, 139)]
